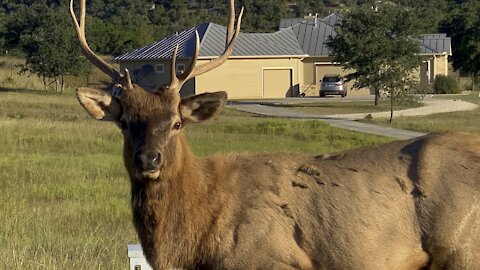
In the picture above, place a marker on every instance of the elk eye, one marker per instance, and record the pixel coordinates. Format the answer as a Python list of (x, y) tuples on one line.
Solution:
[(177, 126)]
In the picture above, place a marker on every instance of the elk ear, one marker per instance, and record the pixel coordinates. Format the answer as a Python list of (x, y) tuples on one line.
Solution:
[(202, 107), (99, 104)]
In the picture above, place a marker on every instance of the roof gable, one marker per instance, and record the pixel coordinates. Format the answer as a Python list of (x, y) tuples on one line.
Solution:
[(212, 43), (333, 19), (164, 48), (313, 38), (436, 44)]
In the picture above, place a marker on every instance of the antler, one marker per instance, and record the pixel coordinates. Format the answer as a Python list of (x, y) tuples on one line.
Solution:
[(176, 82), (91, 56)]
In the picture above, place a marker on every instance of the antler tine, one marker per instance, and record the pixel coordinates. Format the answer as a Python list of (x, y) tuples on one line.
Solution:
[(232, 34), (173, 74), (186, 74), (91, 56), (231, 23)]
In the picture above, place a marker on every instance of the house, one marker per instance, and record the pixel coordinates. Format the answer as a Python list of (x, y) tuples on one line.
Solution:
[(267, 65)]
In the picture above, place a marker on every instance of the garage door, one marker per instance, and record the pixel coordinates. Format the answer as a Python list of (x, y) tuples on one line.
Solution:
[(277, 83), (322, 69), (329, 68)]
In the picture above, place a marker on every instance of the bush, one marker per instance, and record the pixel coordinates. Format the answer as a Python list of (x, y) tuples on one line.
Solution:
[(423, 89), (446, 85)]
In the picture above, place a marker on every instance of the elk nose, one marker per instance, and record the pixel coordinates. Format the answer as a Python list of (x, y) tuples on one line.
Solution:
[(148, 160)]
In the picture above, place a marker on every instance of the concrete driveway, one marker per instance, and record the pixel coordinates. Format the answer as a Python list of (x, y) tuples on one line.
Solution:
[(347, 121)]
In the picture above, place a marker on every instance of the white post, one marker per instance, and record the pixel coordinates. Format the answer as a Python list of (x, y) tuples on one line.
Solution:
[(137, 260)]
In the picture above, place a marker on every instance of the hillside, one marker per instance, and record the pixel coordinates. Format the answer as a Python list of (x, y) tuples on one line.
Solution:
[(117, 26)]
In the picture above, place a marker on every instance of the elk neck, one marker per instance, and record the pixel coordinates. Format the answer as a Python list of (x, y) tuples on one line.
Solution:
[(179, 203)]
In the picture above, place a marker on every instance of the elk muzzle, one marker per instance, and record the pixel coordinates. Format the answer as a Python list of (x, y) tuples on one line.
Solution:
[(148, 164)]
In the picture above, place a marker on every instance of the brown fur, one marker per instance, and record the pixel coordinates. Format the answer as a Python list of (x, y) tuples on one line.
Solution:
[(403, 205)]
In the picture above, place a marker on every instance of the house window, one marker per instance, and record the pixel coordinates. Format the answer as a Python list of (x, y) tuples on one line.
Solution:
[(180, 68), (159, 68)]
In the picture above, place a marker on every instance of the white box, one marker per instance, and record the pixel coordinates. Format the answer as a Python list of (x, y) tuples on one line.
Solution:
[(137, 260)]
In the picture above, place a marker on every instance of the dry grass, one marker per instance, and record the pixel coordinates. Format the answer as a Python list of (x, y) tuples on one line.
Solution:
[(11, 80)]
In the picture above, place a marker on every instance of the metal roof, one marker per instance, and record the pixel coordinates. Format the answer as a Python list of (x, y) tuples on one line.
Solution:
[(331, 19), (164, 48), (251, 44), (436, 44), (212, 43), (287, 23), (313, 38), (302, 37)]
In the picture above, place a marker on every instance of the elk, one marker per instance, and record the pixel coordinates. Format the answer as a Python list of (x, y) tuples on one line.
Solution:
[(411, 204)]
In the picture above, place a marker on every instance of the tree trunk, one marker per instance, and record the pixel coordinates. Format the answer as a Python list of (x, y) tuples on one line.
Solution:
[(56, 85), (62, 86), (44, 83), (474, 76), (391, 104), (377, 96)]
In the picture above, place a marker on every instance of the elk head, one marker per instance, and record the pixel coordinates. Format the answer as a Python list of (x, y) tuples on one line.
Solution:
[(151, 122)]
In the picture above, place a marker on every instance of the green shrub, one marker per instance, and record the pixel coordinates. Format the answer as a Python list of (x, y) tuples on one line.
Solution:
[(446, 85), (423, 89)]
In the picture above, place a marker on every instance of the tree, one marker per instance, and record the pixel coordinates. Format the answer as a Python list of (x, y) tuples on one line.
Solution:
[(2, 30), (49, 46), (263, 15), (463, 26), (430, 13), (378, 42)]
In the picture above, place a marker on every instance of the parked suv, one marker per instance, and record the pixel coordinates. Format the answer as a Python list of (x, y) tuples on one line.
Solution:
[(333, 84)]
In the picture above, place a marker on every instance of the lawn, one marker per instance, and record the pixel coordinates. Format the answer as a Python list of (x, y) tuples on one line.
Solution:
[(10, 79), (344, 107), (66, 194), (467, 121)]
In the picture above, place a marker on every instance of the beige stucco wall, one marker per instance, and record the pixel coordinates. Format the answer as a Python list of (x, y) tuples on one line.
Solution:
[(243, 78), (432, 65), (441, 65)]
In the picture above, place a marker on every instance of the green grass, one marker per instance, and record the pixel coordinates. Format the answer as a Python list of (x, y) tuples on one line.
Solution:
[(345, 107), (467, 121), (65, 193)]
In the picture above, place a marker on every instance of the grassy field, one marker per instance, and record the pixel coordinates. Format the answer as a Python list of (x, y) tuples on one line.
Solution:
[(65, 194), (345, 107), (10, 80), (468, 121)]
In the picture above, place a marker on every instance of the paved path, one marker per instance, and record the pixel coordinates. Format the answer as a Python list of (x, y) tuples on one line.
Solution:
[(345, 121), (431, 106)]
